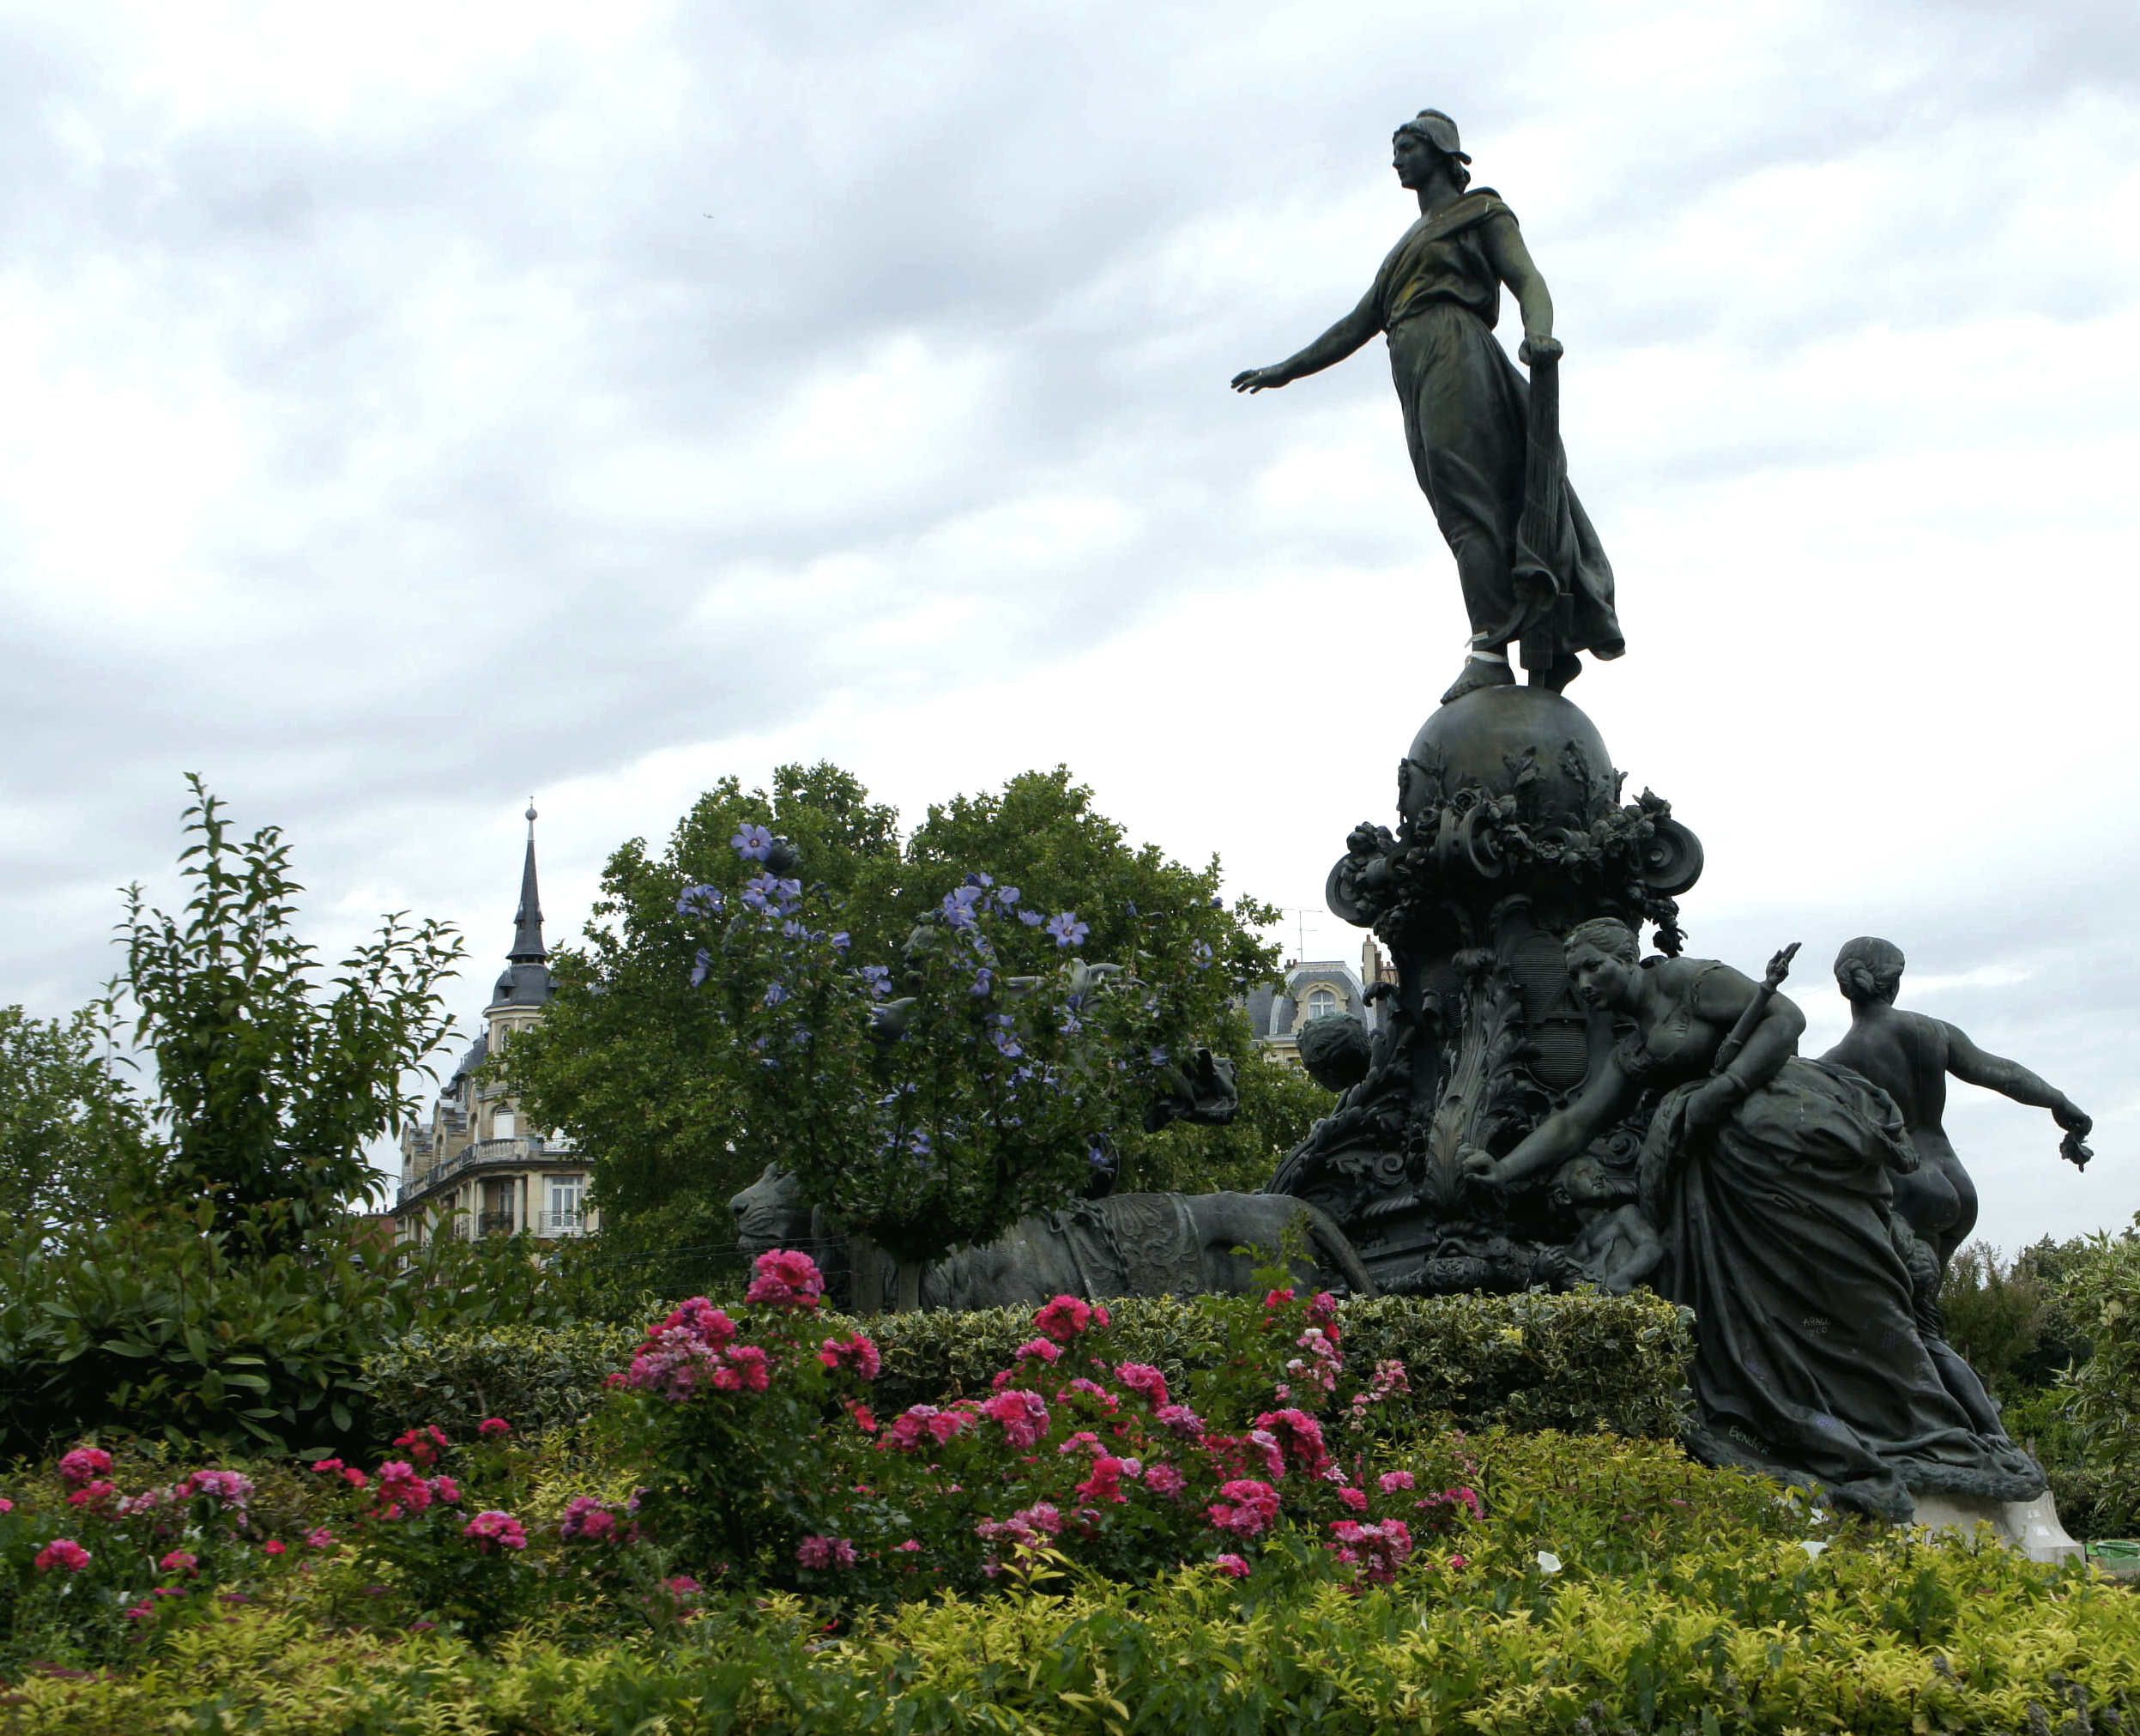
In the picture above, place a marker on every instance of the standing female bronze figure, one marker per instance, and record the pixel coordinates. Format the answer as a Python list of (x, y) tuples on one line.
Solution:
[(1538, 576)]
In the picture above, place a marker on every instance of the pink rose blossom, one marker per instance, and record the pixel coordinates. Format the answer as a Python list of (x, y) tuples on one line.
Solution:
[(493, 1429), (401, 1489), (1023, 1414), (854, 1352), (1066, 1317), (1299, 1438), (180, 1561), (1165, 1481), (319, 1537), (493, 1530), (587, 1521), (1045, 1349), (1377, 1551), (747, 1370), (229, 1487), (1104, 1486), (821, 1553), (1181, 1420), (1232, 1566), (443, 1488), (1457, 1497), (1245, 1507), (923, 1425), (1390, 1482), (424, 1444), (1354, 1498), (83, 1465), (274, 1546), (785, 1278), (64, 1552), (92, 1494), (1144, 1380)]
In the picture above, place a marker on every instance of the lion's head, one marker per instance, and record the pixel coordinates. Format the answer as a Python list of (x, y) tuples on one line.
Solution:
[(769, 1212)]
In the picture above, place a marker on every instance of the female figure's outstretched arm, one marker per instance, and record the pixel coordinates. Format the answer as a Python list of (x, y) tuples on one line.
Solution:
[(1563, 1135), (1342, 339)]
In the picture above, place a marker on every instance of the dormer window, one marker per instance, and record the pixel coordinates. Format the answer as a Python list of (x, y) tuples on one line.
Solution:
[(1322, 1003)]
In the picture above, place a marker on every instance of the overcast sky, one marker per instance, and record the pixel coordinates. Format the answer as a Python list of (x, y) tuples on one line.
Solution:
[(404, 409)]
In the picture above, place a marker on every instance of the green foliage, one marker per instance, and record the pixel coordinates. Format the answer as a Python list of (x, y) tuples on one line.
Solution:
[(540, 1378), (2003, 1315), (2033, 1328), (2100, 1292), (1576, 1362), (1582, 1362), (266, 1090), (630, 1271), (1688, 1601), (623, 1060), (72, 1137), (1278, 1104), (618, 1061), (982, 1094), (166, 1325)]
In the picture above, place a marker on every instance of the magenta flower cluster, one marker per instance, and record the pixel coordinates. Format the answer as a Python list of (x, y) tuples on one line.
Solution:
[(1068, 1448)]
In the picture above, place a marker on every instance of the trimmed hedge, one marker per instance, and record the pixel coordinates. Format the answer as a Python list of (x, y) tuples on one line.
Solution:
[(1581, 1363)]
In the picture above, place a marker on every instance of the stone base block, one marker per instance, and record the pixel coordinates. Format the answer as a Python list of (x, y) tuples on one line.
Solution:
[(2031, 1526)]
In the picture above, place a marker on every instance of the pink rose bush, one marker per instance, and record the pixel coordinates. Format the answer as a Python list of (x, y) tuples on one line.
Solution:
[(765, 1459), (1069, 1450)]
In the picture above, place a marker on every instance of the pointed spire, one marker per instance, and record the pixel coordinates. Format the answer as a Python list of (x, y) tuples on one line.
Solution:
[(527, 947)]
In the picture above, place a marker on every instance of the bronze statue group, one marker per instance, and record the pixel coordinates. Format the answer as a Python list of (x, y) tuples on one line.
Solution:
[(1805, 1210)]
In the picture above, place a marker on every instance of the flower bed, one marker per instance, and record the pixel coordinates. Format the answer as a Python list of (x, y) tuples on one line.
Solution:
[(1088, 1542), (1579, 1362)]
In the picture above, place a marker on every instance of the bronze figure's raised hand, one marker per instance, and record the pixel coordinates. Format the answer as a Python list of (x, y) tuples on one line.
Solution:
[(1484, 444), (1261, 379)]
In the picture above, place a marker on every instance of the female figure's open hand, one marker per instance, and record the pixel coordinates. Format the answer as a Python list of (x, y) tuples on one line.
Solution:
[(1261, 379)]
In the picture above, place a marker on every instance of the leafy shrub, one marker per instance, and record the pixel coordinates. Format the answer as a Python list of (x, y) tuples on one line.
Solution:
[(539, 1378), (167, 1327), (1578, 1362), (2100, 1292), (1739, 1628), (2004, 1316)]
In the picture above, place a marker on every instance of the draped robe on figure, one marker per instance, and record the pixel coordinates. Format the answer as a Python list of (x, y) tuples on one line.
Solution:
[(1466, 407)]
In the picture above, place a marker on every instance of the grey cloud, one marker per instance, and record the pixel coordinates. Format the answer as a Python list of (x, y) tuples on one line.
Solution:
[(438, 328)]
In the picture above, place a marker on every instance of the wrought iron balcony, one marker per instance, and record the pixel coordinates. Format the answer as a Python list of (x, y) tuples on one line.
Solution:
[(482, 1155)]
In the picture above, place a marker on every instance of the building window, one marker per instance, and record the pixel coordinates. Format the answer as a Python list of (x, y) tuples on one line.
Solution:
[(503, 1125), (564, 1216), (1322, 1004)]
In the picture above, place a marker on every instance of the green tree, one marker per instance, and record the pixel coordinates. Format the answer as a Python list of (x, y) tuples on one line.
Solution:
[(269, 1082), (623, 1059), (74, 1137)]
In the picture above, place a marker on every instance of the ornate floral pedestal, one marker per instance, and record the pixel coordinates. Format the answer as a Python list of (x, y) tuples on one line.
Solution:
[(1510, 830)]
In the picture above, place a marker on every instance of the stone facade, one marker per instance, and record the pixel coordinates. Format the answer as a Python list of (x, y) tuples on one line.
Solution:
[(1317, 988), (475, 1168)]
